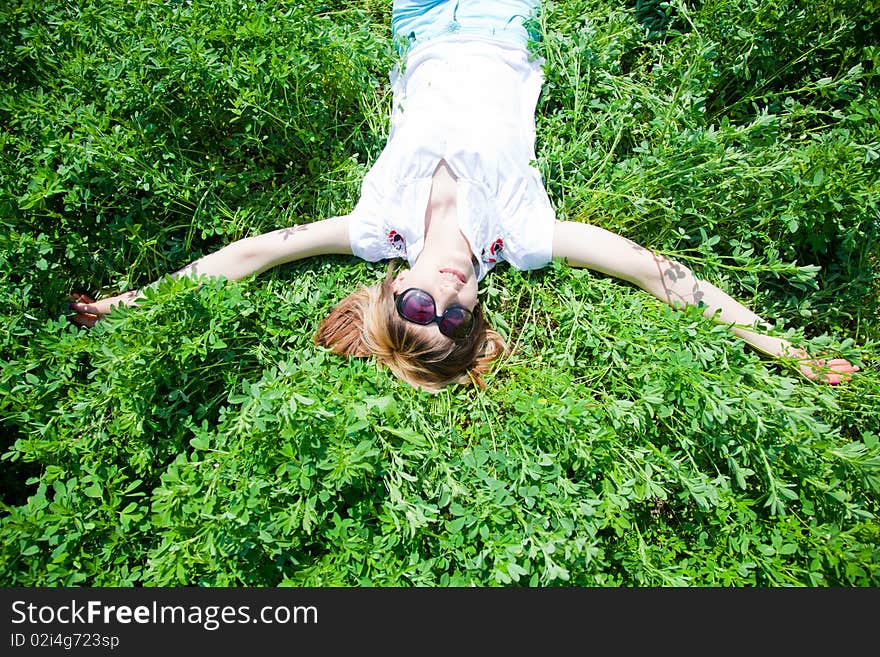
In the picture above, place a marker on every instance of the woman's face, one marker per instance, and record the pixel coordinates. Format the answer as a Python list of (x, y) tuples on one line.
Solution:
[(449, 284)]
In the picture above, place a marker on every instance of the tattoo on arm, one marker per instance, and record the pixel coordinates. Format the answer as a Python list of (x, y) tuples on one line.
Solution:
[(192, 269), (289, 232)]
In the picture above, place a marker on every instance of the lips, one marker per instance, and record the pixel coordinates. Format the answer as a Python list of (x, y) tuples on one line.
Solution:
[(455, 273)]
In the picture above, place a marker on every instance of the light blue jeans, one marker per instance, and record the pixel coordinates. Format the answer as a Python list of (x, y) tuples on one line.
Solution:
[(511, 21)]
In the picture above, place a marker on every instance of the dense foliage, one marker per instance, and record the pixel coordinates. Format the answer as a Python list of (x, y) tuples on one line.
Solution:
[(203, 438)]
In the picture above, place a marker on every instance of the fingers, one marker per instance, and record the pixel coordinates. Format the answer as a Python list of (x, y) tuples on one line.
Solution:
[(85, 313), (84, 319), (80, 302), (834, 371), (84, 308), (842, 365), (85, 298), (832, 379)]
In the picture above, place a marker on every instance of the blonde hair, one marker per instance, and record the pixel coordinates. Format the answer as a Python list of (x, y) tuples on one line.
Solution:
[(366, 323)]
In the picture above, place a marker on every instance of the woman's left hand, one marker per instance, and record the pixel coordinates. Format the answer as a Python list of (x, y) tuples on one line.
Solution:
[(833, 371)]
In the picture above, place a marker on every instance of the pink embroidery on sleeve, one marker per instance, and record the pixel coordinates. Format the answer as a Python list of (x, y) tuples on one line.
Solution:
[(397, 242), (494, 249)]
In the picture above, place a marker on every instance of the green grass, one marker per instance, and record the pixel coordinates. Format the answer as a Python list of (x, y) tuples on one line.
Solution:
[(203, 439)]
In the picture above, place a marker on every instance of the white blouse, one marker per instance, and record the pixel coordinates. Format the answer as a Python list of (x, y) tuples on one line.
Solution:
[(471, 103)]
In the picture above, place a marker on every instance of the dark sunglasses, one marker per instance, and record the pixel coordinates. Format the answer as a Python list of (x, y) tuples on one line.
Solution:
[(417, 306)]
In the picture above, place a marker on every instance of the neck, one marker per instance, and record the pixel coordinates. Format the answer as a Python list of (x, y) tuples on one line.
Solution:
[(442, 232)]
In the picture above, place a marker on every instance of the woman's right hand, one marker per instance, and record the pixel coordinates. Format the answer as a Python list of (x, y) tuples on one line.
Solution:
[(88, 311)]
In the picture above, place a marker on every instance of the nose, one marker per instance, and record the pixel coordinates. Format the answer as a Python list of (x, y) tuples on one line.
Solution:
[(444, 296)]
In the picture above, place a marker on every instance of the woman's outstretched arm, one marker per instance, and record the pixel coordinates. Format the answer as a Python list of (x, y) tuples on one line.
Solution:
[(251, 255), (583, 245)]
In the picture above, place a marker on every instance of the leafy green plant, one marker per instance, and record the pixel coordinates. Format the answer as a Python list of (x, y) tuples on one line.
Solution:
[(203, 439)]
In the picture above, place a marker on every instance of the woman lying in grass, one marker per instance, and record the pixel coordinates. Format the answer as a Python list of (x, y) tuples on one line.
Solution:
[(453, 192)]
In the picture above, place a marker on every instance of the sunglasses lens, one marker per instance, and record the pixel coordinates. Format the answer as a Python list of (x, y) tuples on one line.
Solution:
[(456, 323), (416, 306)]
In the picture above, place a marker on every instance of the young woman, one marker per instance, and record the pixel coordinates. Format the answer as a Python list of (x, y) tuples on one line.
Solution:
[(453, 193)]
